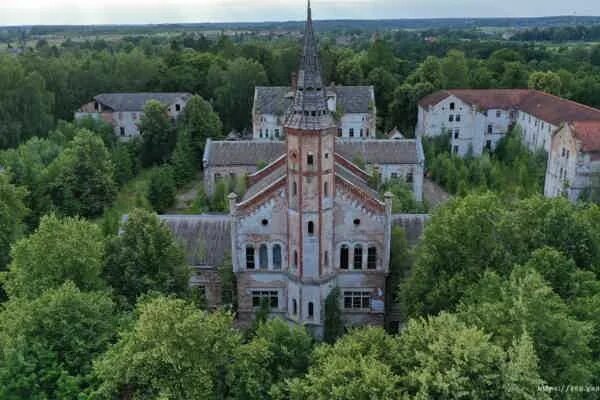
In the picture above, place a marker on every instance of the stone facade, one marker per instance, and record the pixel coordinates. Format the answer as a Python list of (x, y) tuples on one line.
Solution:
[(353, 107), (124, 110), (477, 119), (573, 160)]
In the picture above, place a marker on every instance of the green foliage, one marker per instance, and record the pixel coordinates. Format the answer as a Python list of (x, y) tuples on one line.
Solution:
[(157, 134), (124, 158), (12, 214), (228, 284), (60, 250), (333, 325), (403, 200), (173, 350), (526, 304), (511, 170), (145, 258), (47, 344), (202, 123), (80, 181), (548, 82), (184, 160), (162, 188)]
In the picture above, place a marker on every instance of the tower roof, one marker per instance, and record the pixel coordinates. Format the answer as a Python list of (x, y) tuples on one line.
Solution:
[(309, 109)]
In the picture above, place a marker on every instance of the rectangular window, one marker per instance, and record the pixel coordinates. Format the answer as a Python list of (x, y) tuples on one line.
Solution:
[(271, 296), (394, 175), (490, 129), (340, 132), (358, 257), (357, 300), (457, 117), (177, 107), (498, 114), (351, 132), (456, 133), (122, 130), (276, 133)]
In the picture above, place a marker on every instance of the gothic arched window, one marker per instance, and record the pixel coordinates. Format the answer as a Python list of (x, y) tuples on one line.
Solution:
[(263, 257), (249, 257), (311, 309), (277, 256), (344, 256), (358, 257)]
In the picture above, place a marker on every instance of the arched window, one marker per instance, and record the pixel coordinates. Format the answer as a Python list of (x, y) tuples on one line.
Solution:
[(263, 257), (311, 228), (311, 309), (326, 258), (249, 257), (294, 189), (294, 307), (344, 257), (277, 256), (295, 259), (326, 189), (452, 106), (358, 257), (372, 258)]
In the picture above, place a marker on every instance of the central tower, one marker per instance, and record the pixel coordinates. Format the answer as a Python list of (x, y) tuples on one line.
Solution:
[(310, 131)]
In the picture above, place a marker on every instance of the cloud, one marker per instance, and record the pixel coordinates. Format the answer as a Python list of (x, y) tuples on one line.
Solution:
[(16, 12)]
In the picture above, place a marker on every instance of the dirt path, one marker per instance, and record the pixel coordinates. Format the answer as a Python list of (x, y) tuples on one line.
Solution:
[(433, 194)]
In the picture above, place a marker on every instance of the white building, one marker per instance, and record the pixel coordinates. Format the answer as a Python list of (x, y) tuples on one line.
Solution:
[(478, 119), (353, 108), (124, 110), (573, 160)]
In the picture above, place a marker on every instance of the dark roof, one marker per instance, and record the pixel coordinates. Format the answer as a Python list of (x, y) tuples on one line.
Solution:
[(241, 152), (375, 151), (372, 151), (354, 99), (354, 179), (265, 182), (544, 106), (276, 100), (136, 101), (206, 238)]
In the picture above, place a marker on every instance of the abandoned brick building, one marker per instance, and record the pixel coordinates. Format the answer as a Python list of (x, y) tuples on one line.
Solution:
[(309, 221)]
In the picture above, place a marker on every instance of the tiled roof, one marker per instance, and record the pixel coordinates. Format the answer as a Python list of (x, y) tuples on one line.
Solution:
[(136, 101), (241, 152), (355, 180), (372, 151), (206, 238), (375, 151), (588, 132), (277, 99), (544, 106), (265, 182)]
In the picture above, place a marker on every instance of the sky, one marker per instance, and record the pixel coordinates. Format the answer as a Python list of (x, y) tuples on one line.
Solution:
[(81, 12)]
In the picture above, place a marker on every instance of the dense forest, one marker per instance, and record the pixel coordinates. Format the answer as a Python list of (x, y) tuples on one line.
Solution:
[(501, 298)]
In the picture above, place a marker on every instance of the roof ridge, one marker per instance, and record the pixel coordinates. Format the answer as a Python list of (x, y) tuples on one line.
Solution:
[(565, 99)]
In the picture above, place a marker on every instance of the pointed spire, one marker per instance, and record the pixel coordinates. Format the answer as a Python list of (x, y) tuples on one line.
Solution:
[(309, 110)]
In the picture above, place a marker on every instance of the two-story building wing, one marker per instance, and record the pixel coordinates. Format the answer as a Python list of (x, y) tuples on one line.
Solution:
[(124, 110), (477, 119), (352, 107)]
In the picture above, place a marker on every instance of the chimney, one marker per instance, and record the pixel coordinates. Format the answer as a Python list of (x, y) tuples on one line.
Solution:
[(294, 81)]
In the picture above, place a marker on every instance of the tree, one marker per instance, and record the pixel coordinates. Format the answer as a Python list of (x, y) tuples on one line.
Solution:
[(60, 250), (455, 70), (184, 159), (172, 351), (125, 160), (157, 134), (403, 109), (81, 181), (234, 97), (356, 367), (333, 326), (12, 214), (548, 82), (145, 257), (162, 188), (202, 123), (524, 303), (514, 76), (47, 344), (460, 242), (277, 352), (437, 356)]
